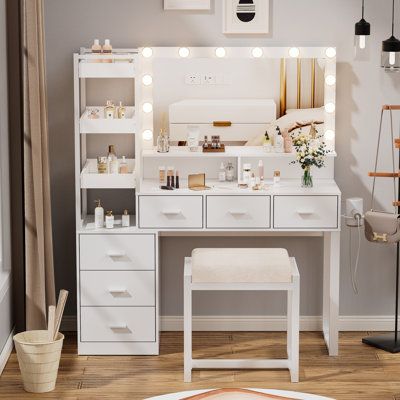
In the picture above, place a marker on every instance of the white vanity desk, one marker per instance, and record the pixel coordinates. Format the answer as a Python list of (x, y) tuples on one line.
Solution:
[(118, 275)]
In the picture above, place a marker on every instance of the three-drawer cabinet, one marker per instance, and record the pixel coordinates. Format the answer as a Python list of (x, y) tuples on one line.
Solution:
[(118, 294)]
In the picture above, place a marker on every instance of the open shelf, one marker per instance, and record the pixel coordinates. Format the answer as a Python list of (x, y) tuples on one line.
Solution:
[(88, 225), (230, 151), (91, 179), (107, 126), (94, 68)]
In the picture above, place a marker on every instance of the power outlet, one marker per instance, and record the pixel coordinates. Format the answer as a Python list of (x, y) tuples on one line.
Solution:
[(193, 79), (209, 79)]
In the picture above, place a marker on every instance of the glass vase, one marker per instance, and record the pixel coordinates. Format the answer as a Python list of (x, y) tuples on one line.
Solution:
[(306, 179)]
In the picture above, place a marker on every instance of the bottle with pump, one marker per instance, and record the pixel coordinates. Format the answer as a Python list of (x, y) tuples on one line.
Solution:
[(109, 220), (112, 160), (125, 219), (98, 215), (222, 173), (267, 144), (107, 50), (279, 143)]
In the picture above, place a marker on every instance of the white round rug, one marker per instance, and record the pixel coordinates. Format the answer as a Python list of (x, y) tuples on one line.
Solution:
[(245, 396)]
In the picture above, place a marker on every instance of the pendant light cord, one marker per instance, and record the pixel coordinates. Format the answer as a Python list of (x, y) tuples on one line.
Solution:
[(362, 16), (392, 19)]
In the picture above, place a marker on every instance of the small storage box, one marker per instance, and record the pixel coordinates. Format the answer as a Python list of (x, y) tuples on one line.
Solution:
[(234, 120)]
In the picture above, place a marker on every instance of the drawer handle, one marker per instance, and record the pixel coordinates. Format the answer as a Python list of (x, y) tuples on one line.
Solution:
[(118, 292), (116, 253), (122, 327), (305, 211), (237, 212), (172, 212)]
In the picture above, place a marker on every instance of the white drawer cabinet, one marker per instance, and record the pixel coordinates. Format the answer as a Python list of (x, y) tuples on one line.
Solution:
[(117, 252), (117, 288), (238, 212), (118, 324), (171, 211), (306, 212)]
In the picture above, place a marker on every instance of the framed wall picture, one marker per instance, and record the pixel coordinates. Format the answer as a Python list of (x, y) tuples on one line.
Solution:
[(245, 16), (187, 4)]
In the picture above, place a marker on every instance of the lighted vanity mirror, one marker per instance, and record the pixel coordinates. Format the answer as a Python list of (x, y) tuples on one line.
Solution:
[(236, 93)]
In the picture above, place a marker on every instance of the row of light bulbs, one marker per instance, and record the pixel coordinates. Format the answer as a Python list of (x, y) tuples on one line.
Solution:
[(220, 52)]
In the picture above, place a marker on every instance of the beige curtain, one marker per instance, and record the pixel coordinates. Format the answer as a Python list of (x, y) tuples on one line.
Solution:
[(40, 290)]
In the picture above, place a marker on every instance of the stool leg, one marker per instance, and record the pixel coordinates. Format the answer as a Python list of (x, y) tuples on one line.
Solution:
[(294, 330), (289, 324), (187, 328)]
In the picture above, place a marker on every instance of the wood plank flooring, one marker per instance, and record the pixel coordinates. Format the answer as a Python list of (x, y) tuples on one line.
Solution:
[(360, 372)]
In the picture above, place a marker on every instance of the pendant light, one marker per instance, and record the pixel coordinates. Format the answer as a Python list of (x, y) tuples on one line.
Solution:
[(362, 30), (391, 51)]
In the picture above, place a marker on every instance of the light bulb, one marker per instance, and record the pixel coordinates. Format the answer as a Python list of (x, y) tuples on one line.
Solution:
[(330, 108), (330, 80), (184, 52), (220, 52), (329, 134), (294, 52), (147, 107), (330, 52), (147, 134), (257, 52), (361, 42), (147, 80), (392, 58), (147, 52)]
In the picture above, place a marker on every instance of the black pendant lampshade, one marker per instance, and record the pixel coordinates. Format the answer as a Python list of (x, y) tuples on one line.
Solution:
[(361, 33), (390, 60)]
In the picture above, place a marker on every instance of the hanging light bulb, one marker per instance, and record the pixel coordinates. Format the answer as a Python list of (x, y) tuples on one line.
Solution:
[(361, 42), (390, 60)]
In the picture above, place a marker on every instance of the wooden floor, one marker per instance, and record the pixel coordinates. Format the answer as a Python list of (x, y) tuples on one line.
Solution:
[(360, 372)]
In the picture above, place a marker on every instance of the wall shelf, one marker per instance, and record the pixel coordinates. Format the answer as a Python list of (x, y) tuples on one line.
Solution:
[(108, 126), (92, 69), (91, 179)]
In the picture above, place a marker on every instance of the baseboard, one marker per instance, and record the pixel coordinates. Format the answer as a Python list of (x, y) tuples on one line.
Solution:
[(6, 352), (261, 323)]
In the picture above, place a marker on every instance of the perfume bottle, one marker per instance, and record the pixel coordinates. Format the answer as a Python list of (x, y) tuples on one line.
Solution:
[(205, 143), (162, 142), (230, 172), (98, 215), (109, 220), (109, 110), (112, 160), (123, 166), (102, 165), (121, 111), (125, 219)]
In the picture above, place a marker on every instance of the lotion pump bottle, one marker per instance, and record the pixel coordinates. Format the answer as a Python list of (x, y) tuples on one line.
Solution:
[(98, 215), (279, 144), (125, 219)]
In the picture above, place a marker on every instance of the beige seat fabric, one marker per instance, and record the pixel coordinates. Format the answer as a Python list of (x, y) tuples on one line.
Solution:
[(240, 266)]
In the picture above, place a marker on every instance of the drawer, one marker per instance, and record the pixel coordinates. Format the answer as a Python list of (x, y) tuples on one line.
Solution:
[(117, 288), (306, 212), (117, 252), (170, 212), (118, 324), (238, 212)]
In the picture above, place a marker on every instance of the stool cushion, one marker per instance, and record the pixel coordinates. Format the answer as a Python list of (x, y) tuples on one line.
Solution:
[(240, 266)]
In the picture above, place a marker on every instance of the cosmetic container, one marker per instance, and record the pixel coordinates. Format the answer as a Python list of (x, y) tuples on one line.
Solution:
[(109, 220), (98, 215), (125, 219)]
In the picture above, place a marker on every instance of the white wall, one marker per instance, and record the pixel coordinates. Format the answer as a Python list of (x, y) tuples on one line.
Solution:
[(5, 232), (361, 89)]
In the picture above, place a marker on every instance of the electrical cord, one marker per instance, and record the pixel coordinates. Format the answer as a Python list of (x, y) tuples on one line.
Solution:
[(353, 272)]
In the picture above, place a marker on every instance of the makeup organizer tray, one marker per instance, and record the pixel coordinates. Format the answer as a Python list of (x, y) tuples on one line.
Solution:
[(88, 226), (103, 125), (91, 179)]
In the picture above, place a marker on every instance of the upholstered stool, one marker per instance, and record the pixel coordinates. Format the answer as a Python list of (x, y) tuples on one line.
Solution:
[(243, 269)]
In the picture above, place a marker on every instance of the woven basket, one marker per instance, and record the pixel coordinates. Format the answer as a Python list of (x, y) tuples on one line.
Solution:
[(38, 360)]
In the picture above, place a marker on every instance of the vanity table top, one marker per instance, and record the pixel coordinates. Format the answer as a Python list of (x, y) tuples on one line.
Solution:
[(286, 187)]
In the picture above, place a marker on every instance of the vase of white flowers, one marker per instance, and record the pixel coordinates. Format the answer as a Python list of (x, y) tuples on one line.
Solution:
[(310, 151)]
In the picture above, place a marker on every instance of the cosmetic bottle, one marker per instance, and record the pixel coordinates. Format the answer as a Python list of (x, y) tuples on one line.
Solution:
[(205, 144), (121, 111), (96, 49), (112, 160), (222, 173), (125, 219), (109, 220), (277, 178), (252, 180), (170, 177), (107, 50), (161, 176), (98, 215), (246, 174), (102, 165), (176, 179), (261, 170), (267, 143), (230, 172), (109, 110), (162, 142), (123, 166), (279, 145)]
